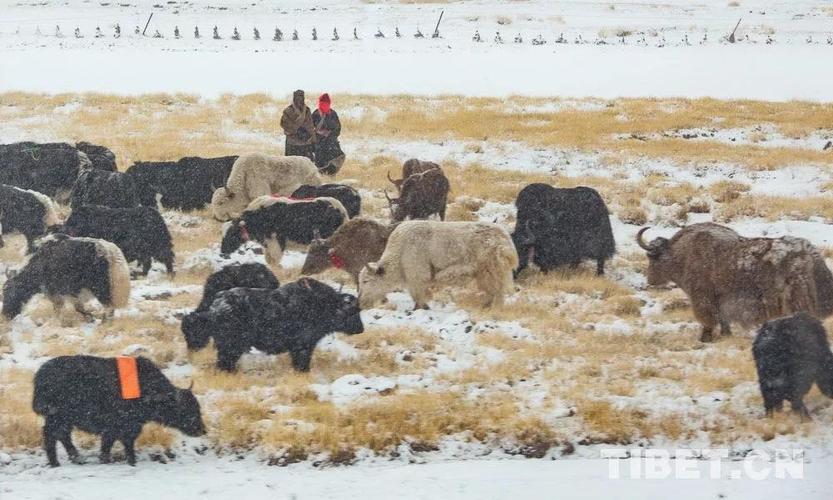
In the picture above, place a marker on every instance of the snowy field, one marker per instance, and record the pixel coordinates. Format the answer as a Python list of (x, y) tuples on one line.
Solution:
[(455, 402)]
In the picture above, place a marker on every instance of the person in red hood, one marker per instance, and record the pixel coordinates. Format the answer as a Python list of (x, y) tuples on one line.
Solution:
[(328, 154)]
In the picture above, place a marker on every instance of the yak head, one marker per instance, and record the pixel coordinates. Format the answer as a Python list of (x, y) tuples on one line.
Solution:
[(196, 328), (179, 409), (319, 257), (660, 263), (235, 234), (397, 214), (373, 284), (397, 183), (225, 204), (322, 304)]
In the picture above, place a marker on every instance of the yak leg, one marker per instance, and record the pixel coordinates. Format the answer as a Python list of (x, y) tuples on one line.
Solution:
[(798, 407), (146, 263), (707, 313), (50, 439), (128, 439), (600, 267), (301, 358), (417, 283), (65, 437), (772, 404), (725, 328), (30, 243), (227, 359), (107, 441)]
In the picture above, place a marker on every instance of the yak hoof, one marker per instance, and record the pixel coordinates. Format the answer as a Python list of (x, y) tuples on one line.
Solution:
[(707, 337)]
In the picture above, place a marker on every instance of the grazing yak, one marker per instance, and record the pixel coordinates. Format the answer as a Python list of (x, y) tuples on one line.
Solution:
[(139, 232), (420, 253), (28, 212), (791, 354), (255, 175), (185, 184), (562, 226), (411, 167), (50, 169), (421, 196), (70, 268), (89, 393), (729, 278), (101, 157), (273, 221), (109, 189), (292, 318), (249, 275), (350, 248), (348, 196)]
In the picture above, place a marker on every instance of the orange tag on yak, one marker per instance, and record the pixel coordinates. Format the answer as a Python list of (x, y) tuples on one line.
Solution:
[(128, 377)]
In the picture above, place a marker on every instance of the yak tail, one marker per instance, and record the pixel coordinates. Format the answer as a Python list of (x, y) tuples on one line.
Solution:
[(119, 274), (824, 287)]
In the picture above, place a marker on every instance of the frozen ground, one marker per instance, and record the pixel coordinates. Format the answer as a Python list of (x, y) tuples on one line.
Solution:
[(481, 479), (611, 48)]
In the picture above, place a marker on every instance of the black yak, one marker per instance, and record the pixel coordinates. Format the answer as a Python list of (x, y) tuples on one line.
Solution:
[(64, 267), (109, 189), (101, 157), (85, 392), (50, 169), (140, 232), (348, 196), (186, 184), (292, 318), (562, 226), (791, 354), (273, 221), (249, 275)]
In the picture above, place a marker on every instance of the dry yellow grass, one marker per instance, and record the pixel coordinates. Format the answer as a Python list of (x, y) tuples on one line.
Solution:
[(590, 347)]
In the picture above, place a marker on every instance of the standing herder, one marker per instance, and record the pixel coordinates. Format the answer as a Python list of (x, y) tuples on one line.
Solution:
[(328, 154), (296, 123)]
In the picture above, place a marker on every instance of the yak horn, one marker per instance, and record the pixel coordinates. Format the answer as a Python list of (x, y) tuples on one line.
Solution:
[(639, 240), (390, 178), (191, 385), (390, 202)]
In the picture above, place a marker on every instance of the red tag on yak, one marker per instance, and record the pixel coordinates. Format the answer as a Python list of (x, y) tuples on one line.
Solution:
[(244, 233), (128, 377), (336, 261)]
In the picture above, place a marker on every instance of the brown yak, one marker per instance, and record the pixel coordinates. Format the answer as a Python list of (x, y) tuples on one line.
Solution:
[(411, 167), (732, 279), (354, 244), (422, 195)]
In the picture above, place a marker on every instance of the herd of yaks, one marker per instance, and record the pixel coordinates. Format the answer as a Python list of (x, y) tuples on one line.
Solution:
[(782, 283)]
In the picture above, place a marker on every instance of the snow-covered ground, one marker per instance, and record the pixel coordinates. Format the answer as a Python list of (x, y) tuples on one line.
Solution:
[(610, 49)]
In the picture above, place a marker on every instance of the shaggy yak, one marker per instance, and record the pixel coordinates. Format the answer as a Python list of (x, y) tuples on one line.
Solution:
[(348, 196), (791, 354), (273, 221), (140, 232), (70, 268), (255, 175), (557, 227), (250, 275), (292, 318), (101, 157), (87, 393), (421, 196), (420, 253), (28, 212), (729, 278), (411, 167), (50, 169), (108, 189), (185, 184), (350, 248)]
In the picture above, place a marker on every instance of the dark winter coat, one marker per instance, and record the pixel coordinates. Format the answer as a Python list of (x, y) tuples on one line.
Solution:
[(50, 169), (101, 157), (562, 226), (84, 392), (186, 184), (791, 354), (140, 232), (109, 189), (251, 275), (293, 319), (327, 147), (297, 125), (348, 196)]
